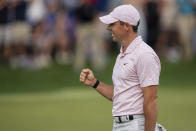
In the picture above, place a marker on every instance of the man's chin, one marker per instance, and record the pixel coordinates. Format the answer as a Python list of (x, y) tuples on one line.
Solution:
[(115, 40)]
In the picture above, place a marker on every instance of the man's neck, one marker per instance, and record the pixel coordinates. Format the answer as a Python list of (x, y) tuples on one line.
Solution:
[(127, 42)]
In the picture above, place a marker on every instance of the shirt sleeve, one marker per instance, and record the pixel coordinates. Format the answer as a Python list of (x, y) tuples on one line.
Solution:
[(148, 69)]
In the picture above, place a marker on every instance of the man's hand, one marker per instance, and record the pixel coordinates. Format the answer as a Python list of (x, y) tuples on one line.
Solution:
[(87, 77)]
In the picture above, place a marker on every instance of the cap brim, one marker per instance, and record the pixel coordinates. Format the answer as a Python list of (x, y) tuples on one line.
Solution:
[(107, 19)]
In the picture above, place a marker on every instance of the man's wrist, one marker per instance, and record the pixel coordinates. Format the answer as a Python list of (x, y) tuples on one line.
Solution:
[(96, 83)]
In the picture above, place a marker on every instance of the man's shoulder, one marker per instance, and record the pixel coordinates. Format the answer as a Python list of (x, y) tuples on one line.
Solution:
[(146, 53), (144, 48)]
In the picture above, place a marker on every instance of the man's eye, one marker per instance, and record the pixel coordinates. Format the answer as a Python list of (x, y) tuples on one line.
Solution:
[(111, 24)]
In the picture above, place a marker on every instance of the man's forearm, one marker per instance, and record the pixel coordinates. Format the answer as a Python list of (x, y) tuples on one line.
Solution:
[(105, 90), (150, 113)]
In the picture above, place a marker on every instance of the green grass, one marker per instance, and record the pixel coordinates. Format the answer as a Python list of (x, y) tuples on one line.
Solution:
[(177, 109), (85, 110), (50, 79), (53, 99), (63, 110), (182, 75)]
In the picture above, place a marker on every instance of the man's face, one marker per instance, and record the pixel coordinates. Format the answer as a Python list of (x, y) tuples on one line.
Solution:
[(118, 31)]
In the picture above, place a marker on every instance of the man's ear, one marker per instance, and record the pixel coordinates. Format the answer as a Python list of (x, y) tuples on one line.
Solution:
[(127, 27)]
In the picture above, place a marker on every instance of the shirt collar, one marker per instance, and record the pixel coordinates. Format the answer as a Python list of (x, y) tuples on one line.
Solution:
[(131, 46)]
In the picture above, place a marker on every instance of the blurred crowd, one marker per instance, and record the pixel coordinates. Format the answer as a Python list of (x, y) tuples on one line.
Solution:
[(34, 33)]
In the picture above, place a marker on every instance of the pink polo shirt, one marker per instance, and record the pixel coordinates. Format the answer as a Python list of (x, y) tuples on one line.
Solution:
[(136, 68)]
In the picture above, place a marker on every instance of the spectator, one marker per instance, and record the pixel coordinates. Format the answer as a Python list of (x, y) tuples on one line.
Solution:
[(4, 45), (20, 32), (40, 60), (51, 36), (153, 8), (36, 11), (102, 5), (186, 25), (63, 41), (168, 42), (140, 7), (114, 3), (70, 4), (89, 45)]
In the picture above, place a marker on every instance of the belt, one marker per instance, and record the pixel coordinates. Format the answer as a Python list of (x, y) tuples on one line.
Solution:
[(126, 118)]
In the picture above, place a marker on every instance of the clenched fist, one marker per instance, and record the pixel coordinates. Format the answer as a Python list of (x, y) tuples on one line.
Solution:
[(87, 77)]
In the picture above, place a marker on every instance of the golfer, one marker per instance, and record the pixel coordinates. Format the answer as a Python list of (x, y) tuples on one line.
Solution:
[(135, 75)]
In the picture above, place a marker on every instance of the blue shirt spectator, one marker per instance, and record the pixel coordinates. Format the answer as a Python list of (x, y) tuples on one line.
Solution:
[(186, 7), (102, 5)]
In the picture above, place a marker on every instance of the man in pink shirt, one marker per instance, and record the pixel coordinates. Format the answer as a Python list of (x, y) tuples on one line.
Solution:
[(135, 75)]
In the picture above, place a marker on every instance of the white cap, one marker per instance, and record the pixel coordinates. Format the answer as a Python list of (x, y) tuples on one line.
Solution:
[(124, 13)]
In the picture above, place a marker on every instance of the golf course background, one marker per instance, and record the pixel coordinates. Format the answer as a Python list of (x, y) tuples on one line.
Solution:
[(53, 99)]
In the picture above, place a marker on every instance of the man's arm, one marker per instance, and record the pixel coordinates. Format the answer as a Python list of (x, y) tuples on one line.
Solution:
[(150, 107), (88, 79)]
